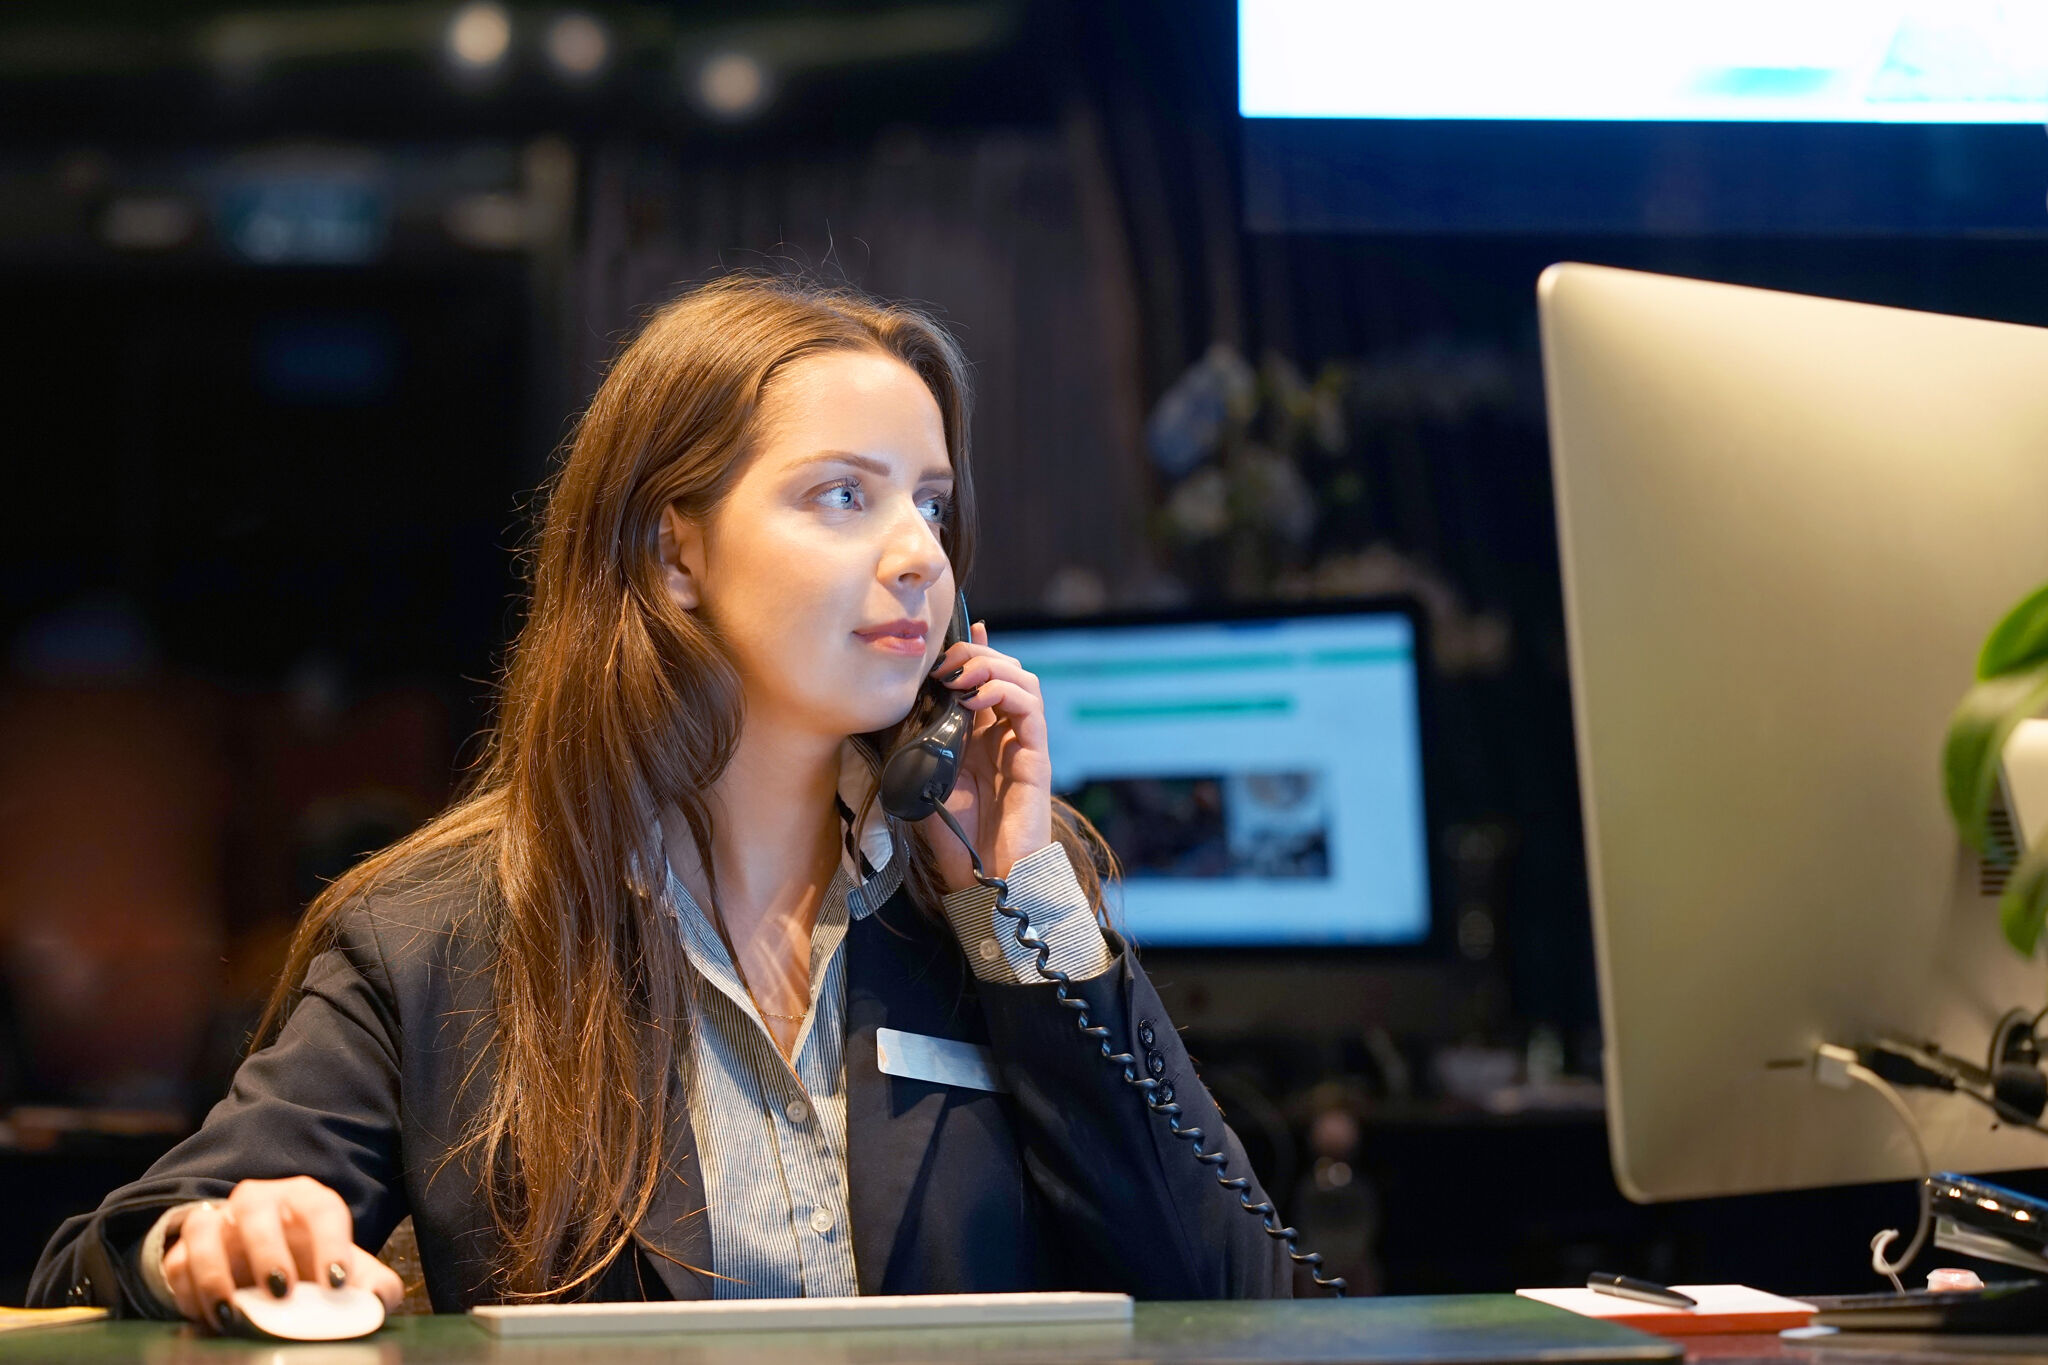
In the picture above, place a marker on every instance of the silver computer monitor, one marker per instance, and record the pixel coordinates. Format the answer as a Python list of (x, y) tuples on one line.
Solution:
[(1786, 525)]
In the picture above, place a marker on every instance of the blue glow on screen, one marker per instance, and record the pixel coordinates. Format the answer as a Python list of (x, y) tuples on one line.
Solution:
[(1791, 61)]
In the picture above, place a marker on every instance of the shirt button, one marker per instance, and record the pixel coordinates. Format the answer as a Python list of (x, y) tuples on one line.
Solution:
[(821, 1220), (797, 1110), (988, 951)]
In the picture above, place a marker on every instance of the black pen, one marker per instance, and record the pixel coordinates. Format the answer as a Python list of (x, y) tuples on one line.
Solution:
[(1645, 1291)]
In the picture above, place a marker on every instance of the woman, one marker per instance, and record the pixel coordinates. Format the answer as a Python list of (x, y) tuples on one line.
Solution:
[(650, 1012)]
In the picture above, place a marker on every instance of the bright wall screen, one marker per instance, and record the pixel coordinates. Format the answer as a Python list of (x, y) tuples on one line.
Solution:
[(1794, 61), (1261, 781)]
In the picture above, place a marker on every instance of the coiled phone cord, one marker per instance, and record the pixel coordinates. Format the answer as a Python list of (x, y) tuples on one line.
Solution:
[(1268, 1216)]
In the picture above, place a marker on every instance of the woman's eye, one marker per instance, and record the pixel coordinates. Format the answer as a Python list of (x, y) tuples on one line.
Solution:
[(841, 497), (938, 507)]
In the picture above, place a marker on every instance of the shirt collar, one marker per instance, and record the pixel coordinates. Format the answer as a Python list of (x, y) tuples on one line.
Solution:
[(869, 854)]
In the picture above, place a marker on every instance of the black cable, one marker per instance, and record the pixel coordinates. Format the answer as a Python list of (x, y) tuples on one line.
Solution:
[(2003, 1117), (1927, 1067), (1268, 1216)]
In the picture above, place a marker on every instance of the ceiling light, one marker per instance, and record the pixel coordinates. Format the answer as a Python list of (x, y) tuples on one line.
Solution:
[(480, 35), (733, 85), (577, 45)]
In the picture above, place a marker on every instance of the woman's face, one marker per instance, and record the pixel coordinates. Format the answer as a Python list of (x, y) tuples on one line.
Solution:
[(823, 569)]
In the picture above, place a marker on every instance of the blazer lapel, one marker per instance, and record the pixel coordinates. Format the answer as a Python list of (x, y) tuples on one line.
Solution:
[(674, 1235), (900, 975)]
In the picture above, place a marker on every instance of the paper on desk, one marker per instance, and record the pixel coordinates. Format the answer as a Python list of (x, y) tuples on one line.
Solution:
[(14, 1319), (1724, 1309)]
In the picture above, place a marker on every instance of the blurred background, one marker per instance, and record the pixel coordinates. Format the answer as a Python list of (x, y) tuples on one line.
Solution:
[(303, 298)]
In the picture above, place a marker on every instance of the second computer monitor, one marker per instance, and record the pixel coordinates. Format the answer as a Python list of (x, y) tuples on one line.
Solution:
[(1260, 778)]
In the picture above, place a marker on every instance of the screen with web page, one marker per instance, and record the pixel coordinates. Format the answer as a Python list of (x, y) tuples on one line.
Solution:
[(1260, 780)]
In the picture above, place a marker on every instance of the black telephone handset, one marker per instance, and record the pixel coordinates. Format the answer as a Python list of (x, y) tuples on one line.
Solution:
[(917, 777)]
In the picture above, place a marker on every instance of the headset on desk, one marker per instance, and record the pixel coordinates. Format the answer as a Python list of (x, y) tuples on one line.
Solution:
[(916, 780)]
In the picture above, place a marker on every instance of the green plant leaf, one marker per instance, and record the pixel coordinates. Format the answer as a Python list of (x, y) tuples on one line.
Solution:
[(2020, 640), (2023, 909), (1976, 738)]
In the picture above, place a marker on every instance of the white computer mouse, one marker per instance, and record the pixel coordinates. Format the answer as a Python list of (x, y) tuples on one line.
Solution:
[(308, 1312)]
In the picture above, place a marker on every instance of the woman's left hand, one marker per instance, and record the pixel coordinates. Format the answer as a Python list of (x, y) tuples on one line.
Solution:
[(1004, 796)]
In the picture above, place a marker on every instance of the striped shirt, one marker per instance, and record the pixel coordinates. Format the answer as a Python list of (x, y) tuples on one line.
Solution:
[(771, 1133)]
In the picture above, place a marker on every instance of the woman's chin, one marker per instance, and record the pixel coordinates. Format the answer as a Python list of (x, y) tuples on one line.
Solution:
[(883, 715)]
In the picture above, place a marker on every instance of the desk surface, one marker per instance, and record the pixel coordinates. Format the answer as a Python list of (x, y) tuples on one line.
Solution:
[(1438, 1331)]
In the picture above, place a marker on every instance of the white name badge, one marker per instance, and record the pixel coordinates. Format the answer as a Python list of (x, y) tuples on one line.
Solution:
[(944, 1061)]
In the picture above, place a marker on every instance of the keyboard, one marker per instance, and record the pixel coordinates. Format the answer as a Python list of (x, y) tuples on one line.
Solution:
[(801, 1315)]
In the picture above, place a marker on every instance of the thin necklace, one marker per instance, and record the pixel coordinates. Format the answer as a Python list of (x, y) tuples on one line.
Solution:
[(739, 969)]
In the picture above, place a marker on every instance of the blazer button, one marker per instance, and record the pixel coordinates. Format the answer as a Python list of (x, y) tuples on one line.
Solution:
[(1155, 1064), (1163, 1093), (1145, 1033)]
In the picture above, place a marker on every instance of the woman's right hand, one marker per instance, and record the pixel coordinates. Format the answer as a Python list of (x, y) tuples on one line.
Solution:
[(274, 1233)]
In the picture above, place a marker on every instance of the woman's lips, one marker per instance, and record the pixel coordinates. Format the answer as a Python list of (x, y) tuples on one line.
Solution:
[(904, 640)]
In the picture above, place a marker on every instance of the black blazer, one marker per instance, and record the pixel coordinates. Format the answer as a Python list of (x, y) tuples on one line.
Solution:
[(1066, 1182)]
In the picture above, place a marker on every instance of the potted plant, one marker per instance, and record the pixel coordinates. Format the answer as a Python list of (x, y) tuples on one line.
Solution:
[(2012, 686)]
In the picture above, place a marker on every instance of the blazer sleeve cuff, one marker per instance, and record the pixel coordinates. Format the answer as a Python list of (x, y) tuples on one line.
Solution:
[(1044, 887), (150, 1258)]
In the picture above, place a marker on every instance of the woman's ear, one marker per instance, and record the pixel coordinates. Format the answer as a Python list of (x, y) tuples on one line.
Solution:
[(682, 558)]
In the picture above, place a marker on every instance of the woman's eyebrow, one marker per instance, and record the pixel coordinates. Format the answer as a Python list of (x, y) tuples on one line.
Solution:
[(871, 465)]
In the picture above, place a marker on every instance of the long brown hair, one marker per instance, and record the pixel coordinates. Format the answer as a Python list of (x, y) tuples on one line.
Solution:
[(614, 705)]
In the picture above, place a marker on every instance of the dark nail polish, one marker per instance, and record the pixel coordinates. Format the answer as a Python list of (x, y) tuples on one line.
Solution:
[(968, 693), (337, 1274), (224, 1315), (954, 674), (278, 1287)]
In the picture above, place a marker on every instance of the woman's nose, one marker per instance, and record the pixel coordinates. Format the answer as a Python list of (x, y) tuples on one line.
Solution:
[(913, 553)]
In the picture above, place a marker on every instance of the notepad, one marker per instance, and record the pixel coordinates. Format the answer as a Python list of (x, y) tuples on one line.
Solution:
[(1724, 1309), (798, 1315), (18, 1319)]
